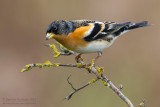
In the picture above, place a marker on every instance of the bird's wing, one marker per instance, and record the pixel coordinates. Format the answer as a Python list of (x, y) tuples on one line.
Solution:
[(104, 29)]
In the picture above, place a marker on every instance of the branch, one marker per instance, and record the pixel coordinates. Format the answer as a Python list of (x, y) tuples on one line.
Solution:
[(76, 90), (91, 69)]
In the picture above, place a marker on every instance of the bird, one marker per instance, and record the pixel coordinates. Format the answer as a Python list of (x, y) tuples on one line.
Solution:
[(88, 36)]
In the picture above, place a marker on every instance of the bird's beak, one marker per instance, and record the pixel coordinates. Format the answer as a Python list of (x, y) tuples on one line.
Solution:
[(49, 36)]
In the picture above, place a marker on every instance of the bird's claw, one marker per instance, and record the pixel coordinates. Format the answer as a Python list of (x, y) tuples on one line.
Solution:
[(78, 57)]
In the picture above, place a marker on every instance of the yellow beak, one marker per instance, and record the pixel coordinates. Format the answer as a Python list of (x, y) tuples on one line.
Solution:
[(49, 36)]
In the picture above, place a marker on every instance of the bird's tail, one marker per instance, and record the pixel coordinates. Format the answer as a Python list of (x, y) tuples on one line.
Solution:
[(127, 26), (138, 25)]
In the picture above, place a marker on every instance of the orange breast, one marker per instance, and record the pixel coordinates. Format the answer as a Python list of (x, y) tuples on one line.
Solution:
[(74, 39)]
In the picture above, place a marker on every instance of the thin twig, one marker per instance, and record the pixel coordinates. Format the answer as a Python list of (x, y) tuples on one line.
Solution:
[(70, 83), (120, 87), (70, 95), (76, 90), (64, 53), (142, 104), (68, 65)]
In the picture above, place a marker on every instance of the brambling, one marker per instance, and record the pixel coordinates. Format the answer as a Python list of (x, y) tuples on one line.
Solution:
[(86, 36)]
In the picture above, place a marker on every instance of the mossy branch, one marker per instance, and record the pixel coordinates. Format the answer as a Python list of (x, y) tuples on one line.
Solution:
[(98, 71)]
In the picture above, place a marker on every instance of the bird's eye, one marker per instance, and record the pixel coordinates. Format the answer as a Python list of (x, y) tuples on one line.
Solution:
[(54, 28)]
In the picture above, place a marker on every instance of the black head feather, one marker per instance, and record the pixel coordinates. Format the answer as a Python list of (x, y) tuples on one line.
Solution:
[(60, 27)]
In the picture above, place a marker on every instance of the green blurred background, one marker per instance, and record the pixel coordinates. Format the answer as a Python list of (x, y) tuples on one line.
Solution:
[(133, 60)]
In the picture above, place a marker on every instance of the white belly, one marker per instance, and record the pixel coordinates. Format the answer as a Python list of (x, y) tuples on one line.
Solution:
[(94, 46)]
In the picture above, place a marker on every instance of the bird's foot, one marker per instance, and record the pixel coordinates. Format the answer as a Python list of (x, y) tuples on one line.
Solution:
[(78, 58)]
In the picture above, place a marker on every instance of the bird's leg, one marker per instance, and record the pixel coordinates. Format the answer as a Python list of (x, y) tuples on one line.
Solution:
[(99, 55), (79, 60), (78, 57)]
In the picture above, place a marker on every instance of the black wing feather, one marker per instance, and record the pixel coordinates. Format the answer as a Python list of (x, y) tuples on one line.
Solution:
[(110, 28), (93, 34)]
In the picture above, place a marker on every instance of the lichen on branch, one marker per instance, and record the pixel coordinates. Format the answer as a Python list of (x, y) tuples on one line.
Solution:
[(91, 68)]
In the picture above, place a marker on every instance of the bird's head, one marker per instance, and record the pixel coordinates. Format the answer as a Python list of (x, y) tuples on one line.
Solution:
[(58, 27)]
